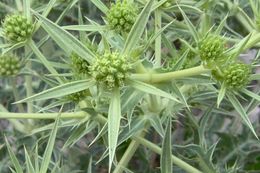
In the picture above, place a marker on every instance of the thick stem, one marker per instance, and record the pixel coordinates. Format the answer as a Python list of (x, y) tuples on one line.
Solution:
[(16, 95), (185, 166), (72, 115), (28, 84), (162, 77)]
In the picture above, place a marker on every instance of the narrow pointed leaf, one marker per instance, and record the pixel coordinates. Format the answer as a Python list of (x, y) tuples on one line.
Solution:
[(61, 90), (15, 162), (191, 27), (166, 157), (49, 148), (251, 94), (239, 108), (114, 116), (28, 161), (150, 89), (138, 28), (221, 94), (100, 5), (65, 40)]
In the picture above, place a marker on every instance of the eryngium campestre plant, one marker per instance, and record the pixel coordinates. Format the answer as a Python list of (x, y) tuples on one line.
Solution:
[(9, 65), (211, 49), (17, 28), (110, 70), (236, 76), (121, 16)]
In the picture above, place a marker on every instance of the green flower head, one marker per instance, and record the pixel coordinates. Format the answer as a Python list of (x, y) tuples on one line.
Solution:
[(211, 49), (17, 28), (9, 65), (110, 70), (236, 76), (122, 16)]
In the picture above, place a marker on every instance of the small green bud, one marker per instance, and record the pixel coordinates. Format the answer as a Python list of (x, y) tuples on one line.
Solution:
[(79, 65), (110, 70), (17, 28), (211, 49), (78, 96), (236, 76), (122, 16), (9, 65)]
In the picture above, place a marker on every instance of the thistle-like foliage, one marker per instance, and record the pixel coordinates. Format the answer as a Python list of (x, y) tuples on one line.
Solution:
[(9, 65), (79, 65), (211, 49), (236, 76), (110, 70), (17, 28), (122, 16)]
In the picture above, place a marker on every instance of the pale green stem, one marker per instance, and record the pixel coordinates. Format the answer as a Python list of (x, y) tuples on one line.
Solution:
[(16, 95), (72, 115), (162, 77), (158, 40), (19, 5), (185, 166), (28, 84), (140, 68), (255, 38)]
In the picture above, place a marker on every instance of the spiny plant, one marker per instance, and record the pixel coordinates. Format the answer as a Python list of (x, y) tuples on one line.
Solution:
[(161, 86)]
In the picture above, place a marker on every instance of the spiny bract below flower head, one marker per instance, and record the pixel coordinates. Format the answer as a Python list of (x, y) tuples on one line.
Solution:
[(17, 28), (211, 49), (110, 70), (236, 76), (122, 16), (9, 65)]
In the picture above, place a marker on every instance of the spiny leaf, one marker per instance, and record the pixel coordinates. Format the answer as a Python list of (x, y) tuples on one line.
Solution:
[(66, 40), (166, 157), (17, 166), (138, 28), (61, 90), (239, 108), (114, 117), (151, 89)]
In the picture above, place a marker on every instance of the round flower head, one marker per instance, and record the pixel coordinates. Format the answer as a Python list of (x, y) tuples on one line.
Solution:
[(9, 65), (236, 76), (17, 28), (122, 16), (211, 49), (110, 70), (79, 65)]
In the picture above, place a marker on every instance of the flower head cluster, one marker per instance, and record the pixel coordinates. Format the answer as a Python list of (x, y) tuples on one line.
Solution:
[(9, 65), (236, 76), (110, 70), (17, 28), (211, 49), (79, 65), (122, 16)]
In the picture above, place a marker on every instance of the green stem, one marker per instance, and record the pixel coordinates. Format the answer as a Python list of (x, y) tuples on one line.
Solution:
[(185, 166), (16, 95), (28, 84), (162, 77), (127, 156), (72, 115), (158, 40), (255, 38)]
